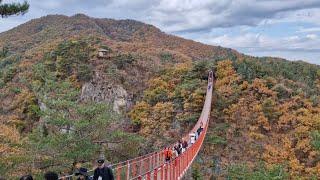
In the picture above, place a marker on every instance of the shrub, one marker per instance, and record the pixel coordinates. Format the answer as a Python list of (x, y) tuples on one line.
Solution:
[(84, 72), (2, 83), (15, 90), (315, 140), (106, 48), (123, 60), (214, 139), (242, 171), (166, 56), (4, 52), (9, 74)]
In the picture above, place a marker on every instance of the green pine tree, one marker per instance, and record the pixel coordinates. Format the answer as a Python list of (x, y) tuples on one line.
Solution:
[(9, 9)]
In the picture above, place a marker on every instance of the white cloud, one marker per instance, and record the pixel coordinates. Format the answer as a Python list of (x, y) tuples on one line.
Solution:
[(305, 47), (194, 15), (305, 15), (309, 42), (308, 30)]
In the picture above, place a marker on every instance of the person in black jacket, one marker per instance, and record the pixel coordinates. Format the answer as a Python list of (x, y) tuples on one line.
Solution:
[(200, 129), (102, 172), (51, 176), (82, 174), (26, 177)]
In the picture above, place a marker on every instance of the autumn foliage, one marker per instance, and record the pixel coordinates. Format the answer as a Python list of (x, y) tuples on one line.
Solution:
[(265, 117)]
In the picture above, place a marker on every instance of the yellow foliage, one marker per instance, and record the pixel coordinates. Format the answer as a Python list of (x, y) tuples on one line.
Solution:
[(256, 136), (260, 87), (157, 83), (9, 134), (140, 112), (9, 138), (227, 78), (156, 119), (303, 145)]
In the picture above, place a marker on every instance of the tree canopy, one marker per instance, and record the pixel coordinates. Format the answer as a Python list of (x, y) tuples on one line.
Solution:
[(9, 9)]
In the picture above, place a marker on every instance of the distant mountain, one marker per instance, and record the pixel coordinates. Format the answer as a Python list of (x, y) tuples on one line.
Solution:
[(52, 67), (54, 28)]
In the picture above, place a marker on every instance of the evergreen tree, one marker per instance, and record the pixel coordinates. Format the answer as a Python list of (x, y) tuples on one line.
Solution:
[(7, 9)]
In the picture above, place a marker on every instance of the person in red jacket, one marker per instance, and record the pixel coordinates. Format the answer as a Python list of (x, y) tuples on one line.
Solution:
[(167, 154)]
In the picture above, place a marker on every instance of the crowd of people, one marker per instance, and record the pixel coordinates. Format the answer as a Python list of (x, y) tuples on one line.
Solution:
[(182, 145), (102, 172)]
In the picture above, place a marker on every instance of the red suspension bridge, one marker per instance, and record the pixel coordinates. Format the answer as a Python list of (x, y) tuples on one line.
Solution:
[(153, 166)]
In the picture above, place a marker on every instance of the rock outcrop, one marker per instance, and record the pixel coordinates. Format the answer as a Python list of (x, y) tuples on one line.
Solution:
[(99, 90)]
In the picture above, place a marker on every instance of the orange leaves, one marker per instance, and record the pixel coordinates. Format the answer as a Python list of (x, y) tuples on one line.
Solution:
[(227, 78), (225, 69), (9, 134), (194, 103), (158, 120), (140, 112), (9, 138), (272, 117), (163, 112), (259, 87), (280, 152), (157, 83), (152, 119), (303, 145)]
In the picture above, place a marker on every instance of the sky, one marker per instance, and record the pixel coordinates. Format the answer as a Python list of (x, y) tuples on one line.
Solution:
[(281, 28)]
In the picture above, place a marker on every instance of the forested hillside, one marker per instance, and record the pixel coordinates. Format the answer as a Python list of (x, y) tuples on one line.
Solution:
[(61, 103)]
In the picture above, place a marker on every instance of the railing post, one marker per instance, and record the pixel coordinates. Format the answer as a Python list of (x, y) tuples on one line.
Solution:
[(140, 167), (171, 169), (155, 174), (128, 170), (148, 175), (134, 168), (178, 166), (165, 172), (161, 172), (175, 168), (150, 163), (156, 159), (119, 172)]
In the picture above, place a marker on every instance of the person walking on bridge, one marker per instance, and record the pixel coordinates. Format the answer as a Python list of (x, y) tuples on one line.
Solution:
[(167, 154), (51, 176), (184, 145), (82, 174), (102, 172), (177, 148), (193, 138), (26, 177), (200, 129)]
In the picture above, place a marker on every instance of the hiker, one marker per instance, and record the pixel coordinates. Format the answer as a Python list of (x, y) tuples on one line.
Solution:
[(184, 145), (51, 176), (214, 76), (192, 138), (26, 177), (177, 149), (102, 172), (199, 130), (82, 173), (167, 154), (75, 167)]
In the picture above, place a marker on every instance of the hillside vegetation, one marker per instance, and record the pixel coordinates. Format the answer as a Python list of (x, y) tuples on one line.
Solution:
[(265, 119)]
